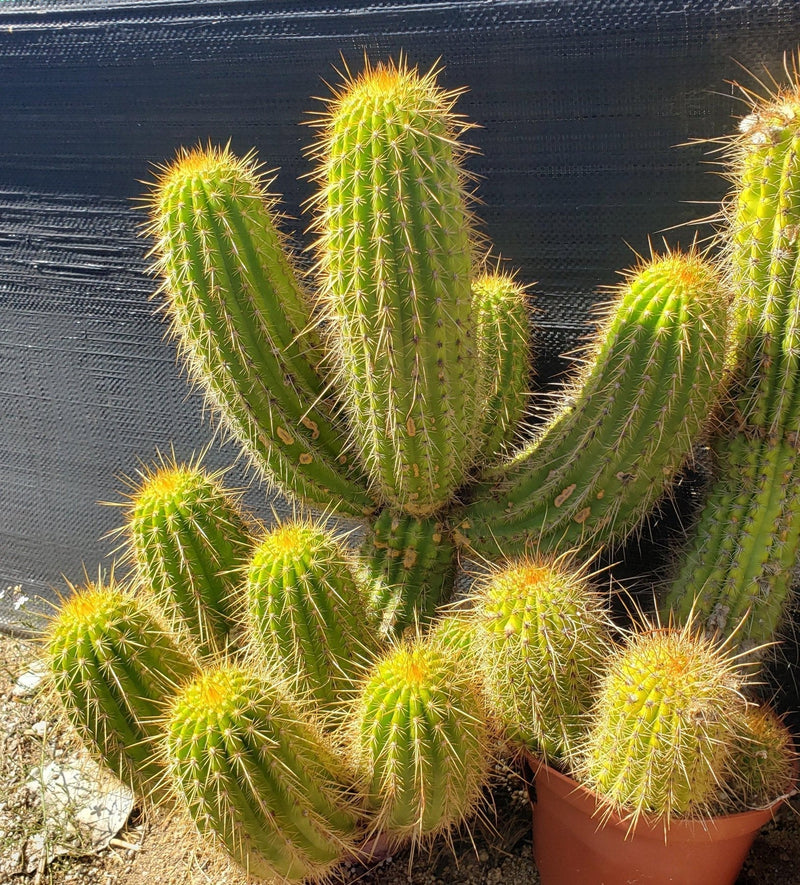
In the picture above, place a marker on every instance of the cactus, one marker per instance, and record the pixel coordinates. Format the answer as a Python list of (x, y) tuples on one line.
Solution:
[(505, 345), (245, 328), (257, 776), (395, 258), (114, 666), (664, 724), (307, 611), (420, 740), (189, 540), (411, 564), (763, 764), (625, 429), (735, 572), (539, 635)]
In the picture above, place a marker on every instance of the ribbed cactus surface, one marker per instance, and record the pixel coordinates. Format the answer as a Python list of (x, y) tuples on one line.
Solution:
[(663, 725), (420, 739), (308, 613), (504, 335), (625, 428), (539, 635), (411, 563), (257, 777), (190, 541), (114, 666), (245, 327), (735, 572), (395, 257), (735, 575)]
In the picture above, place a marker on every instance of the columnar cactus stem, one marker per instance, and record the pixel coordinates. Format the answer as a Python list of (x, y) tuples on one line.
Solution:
[(115, 666), (504, 336), (258, 777), (190, 541), (411, 563), (308, 613), (738, 561), (625, 429), (421, 741), (395, 259), (244, 326)]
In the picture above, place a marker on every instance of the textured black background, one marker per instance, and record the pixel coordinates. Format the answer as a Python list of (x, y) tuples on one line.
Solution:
[(582, 105)]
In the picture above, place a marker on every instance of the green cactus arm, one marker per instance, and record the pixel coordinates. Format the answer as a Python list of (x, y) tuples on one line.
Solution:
[(395, 261), (114, 666), (245, 329), (258, 776), (504, 336), (189, 540), (627, 427)]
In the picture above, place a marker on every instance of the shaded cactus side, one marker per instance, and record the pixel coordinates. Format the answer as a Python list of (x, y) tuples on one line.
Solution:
[(189, 540), (411, 564), (260, 778), (115, 666)]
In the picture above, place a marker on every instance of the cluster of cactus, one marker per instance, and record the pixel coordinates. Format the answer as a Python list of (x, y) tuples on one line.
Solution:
[(290, 693)]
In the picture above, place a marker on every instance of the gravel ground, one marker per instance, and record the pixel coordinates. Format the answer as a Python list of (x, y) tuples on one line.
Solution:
[(158, 848)]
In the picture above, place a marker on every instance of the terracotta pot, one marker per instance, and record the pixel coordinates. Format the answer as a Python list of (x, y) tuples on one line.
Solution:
[(573, 846)]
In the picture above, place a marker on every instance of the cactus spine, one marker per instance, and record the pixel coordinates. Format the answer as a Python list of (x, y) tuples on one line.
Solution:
[(190, 541), (663, 727), (395, 257), (505, 346), (114, 666), (259, 778), (747, 538), (308, 613), (539, 635), (420, 740), (626, 428), (411, 564), (245, 328)]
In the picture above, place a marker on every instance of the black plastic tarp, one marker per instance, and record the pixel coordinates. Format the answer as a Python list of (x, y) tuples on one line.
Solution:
[(582, 105)]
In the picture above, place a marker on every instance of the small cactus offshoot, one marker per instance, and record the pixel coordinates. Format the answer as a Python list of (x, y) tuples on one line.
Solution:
[(256, 775), (540, 633), (663, 726), (308, 613), (420, 740), (115, 665)]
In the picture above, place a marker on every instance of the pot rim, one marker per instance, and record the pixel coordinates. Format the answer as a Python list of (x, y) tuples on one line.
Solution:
[(578, 794)]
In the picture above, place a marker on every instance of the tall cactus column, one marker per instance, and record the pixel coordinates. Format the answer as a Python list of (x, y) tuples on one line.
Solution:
[(395, 255), (737, 568)]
